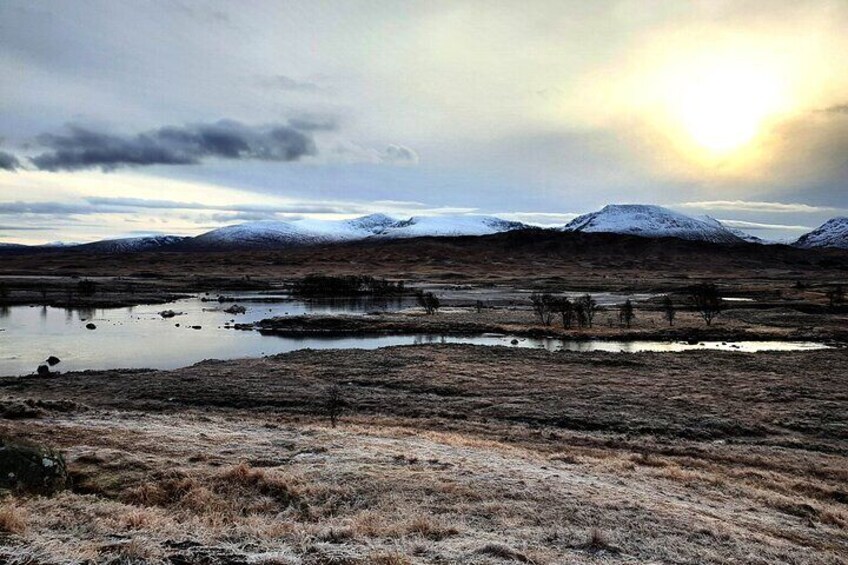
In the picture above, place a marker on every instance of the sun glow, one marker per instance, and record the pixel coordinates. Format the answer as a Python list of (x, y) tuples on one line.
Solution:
[(724, 109)]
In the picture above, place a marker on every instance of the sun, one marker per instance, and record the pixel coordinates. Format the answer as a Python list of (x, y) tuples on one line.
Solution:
[(723, 108)]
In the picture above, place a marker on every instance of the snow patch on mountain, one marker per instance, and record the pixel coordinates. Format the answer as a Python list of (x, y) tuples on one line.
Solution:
[(653, 222), (449, 225), (832, 233), (131, 244), (272, 233), (269, 233)]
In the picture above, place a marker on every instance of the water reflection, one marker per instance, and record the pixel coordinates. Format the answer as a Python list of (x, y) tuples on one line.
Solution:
[(140, 337)]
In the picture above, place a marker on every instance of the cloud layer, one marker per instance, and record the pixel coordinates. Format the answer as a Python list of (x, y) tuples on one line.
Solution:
[(8, 162), (84, 148)]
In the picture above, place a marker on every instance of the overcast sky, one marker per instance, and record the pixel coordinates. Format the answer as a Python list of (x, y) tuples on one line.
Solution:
[(138, 117)]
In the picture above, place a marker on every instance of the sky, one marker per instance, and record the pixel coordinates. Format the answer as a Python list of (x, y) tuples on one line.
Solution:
[(121, 118)]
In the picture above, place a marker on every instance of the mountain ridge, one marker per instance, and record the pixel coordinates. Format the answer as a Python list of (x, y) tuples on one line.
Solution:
[(652, 221), (832, 233), (641, 220)]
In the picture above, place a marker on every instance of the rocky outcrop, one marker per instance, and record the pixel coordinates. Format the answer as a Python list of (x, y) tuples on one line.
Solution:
[(31, 468)]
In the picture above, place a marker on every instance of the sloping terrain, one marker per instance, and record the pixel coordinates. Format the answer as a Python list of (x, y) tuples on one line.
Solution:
[(451, 454), (651, 221), (833, 233)]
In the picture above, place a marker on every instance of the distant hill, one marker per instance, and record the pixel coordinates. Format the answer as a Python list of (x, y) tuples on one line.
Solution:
[(274, 234), (130, 244), (833, 233), (653, 222), (640, 220)]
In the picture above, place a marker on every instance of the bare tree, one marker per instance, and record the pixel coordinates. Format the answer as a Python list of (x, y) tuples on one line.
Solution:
[(565, 307), (334, 403), (626, 313), (707, 300), (669, 310), (543, 307), (589, 308), (428, 301)]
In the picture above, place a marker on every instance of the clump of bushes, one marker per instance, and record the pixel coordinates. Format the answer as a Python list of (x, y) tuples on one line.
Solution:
[(428, 301), (322, 286)]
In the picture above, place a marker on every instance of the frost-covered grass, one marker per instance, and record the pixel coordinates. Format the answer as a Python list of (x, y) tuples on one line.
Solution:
[(404, 479)]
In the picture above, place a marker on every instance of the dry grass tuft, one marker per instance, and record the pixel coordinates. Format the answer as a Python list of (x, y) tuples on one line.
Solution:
[(597, 542), (13, 519), (503, 552), (427, 527), (387, 558)]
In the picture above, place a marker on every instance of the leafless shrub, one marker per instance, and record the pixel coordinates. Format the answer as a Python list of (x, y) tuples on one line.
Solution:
[(669, 311), (626, 313), (586, 307), (543, 307), (428, 301), (597, 541), (334, 403)]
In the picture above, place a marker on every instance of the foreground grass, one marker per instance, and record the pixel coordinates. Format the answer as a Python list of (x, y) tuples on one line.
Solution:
[(445, 455)]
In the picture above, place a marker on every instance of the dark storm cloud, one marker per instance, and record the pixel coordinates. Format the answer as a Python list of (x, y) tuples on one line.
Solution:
[(84, 148), (8, 162)]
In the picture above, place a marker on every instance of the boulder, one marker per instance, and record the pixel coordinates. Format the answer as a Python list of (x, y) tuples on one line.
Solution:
[(90, 326), (31, 468), (235, 309), (53, 360), (43, 370)]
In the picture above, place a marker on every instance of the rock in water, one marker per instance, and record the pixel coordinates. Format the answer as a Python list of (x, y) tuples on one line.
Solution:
[(90, 326), (235, 309), (43, 370), (31, 468), (53, 360)]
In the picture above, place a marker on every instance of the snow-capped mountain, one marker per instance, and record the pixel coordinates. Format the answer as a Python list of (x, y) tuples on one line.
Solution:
[(651, 221), (447, 226), (131, 244), (832, 233), (744, 236), (278, 233), (272, 233)]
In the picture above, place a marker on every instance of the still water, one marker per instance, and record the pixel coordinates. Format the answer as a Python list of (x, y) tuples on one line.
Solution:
[(139, 337)]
